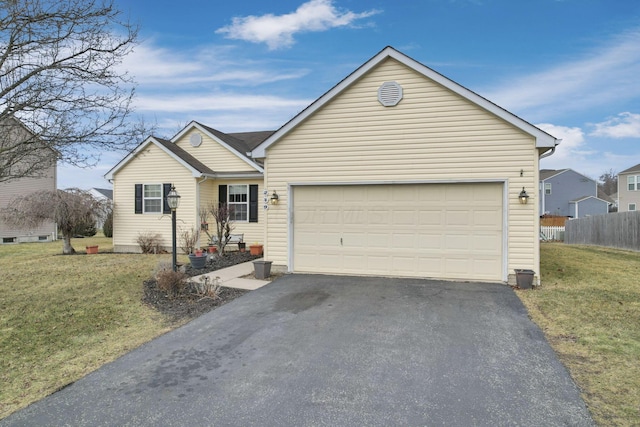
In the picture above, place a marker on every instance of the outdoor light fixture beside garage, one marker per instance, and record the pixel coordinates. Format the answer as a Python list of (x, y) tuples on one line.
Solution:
[(523, 197), (274, 198)]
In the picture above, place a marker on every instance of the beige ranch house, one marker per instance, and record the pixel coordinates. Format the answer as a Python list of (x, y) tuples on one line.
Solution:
[(395, 171)]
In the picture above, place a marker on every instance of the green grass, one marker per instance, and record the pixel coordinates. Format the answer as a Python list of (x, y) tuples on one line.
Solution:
[(62, 317), (589, 309)]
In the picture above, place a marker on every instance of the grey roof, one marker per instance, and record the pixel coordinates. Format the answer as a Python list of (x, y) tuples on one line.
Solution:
[(191, 161), (548, 173), (243, 142), (105, 192), (604, 196), (635, 168)]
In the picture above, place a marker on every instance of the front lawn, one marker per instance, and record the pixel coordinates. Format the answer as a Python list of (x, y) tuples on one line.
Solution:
[(62, 317), (589, 309)]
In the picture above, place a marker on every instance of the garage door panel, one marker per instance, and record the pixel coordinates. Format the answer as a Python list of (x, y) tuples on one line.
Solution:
[(417, 230)]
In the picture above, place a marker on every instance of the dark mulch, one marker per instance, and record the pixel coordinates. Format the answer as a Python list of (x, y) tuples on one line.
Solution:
[(187, 305)]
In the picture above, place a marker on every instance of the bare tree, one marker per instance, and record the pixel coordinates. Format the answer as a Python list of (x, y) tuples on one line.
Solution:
[(608, 182), (70, 209), (222, 214), (60, 77)]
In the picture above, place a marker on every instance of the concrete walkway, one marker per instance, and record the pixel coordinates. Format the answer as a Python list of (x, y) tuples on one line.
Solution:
[(233, 277)]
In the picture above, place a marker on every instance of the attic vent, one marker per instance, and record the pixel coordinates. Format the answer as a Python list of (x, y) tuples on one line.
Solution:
[(390, 94), (195, 139)]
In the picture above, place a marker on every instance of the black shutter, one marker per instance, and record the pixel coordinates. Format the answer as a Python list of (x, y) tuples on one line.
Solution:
[(253, 203), (166, 188), (222, 195), (138, 202)]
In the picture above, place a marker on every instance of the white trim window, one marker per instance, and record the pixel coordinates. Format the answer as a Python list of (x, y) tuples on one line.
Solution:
[(633, 183), (152, 198), (238, 199), (632, 207), (547, 188)]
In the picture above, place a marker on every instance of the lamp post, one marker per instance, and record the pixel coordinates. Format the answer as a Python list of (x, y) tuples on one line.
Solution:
[(173, 200)]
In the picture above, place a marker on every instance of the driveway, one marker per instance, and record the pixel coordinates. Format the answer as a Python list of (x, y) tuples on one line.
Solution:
[(311, 350)]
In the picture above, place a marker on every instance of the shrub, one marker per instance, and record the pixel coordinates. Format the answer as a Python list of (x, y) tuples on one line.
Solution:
[(107, 227), (189, 239), (171, 282), (207, 287), (149, 243)]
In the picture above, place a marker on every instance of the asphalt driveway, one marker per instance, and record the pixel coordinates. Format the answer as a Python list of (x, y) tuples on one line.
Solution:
[(311, 350)]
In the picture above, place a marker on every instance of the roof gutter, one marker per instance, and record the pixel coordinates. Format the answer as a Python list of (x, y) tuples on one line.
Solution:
[(550, 151)]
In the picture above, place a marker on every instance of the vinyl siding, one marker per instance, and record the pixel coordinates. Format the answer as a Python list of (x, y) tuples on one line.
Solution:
[(212, 154), (20, 187), (151, 166), (253, 231), (432, 135), (624, 195)]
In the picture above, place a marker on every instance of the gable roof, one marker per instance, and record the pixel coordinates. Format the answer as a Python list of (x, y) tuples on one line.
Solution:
[(635, 168), (543, 139), (549, 173), (583, 198), (196, 167), (240, 144), (105, 192)]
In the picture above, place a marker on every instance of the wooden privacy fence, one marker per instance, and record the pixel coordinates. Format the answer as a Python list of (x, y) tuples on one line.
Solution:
[(616, 230)]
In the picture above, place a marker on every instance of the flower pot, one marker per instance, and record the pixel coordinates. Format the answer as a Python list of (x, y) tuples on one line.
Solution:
[(262, 269), (92, 249), (198, 252), (213, 249), (255, 249), (242, 246), (524, 278), (197, 261)]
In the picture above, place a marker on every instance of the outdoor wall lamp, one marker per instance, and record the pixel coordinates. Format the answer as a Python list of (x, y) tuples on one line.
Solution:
[(173, 200), (274, 198), (523, 197)]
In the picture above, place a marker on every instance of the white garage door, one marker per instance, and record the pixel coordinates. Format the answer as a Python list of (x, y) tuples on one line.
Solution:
[(450, 231)]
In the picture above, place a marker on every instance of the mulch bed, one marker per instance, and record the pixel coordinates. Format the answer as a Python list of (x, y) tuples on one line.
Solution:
[(187, 305)]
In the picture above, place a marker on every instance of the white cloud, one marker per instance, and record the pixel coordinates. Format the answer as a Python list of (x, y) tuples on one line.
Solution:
[(626, 125), (571, 146), (607, 74), (277, 31), (152, 65), (215, 102)]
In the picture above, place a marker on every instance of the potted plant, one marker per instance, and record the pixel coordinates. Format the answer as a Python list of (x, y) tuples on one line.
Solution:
[(255, 249), (262, 269), (92, 249), (213, 249), (198, 260)]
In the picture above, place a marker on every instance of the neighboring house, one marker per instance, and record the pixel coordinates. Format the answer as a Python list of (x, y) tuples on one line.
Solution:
[(629, 189), (395, 171), (568, 193), (44, 177), (205, 166), (104, 195)]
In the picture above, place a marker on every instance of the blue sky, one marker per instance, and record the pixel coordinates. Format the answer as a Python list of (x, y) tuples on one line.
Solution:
[(571, 67)]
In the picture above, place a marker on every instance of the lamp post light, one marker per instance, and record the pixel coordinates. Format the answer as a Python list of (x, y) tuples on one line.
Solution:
[(173, 200)]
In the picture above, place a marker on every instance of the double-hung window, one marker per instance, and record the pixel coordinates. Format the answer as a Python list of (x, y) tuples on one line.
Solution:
[(152, 198), (547, 188), (239, 202), (633, 182), (632, 207)]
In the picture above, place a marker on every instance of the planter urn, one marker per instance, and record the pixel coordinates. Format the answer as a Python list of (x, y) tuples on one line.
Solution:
[(92, 249), (255, 249), (242, 246), (262, 269), (197, 261), (524, 278)]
